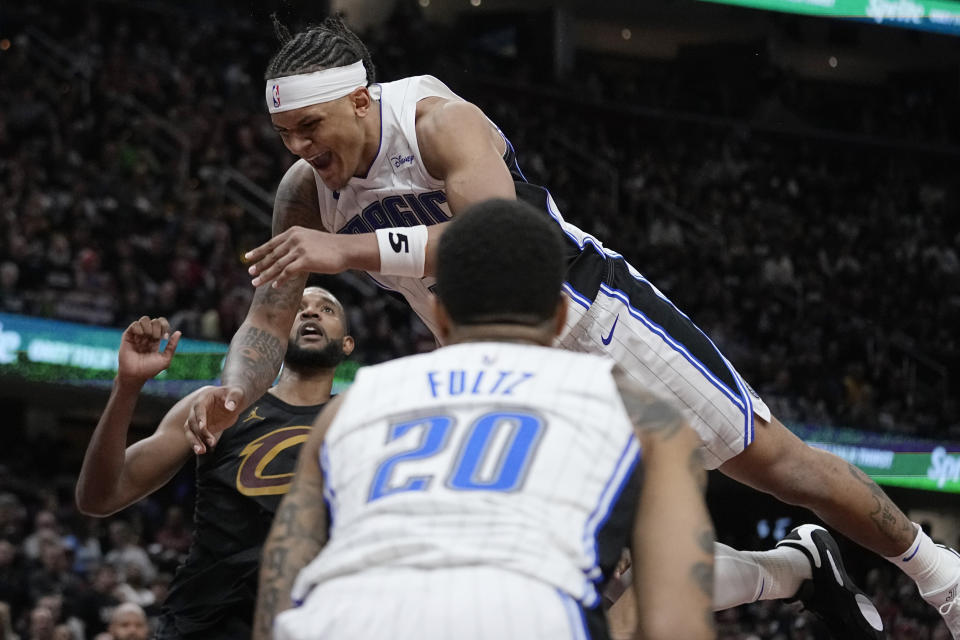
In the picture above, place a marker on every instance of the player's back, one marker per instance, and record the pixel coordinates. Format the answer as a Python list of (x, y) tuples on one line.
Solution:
[(478, 464)]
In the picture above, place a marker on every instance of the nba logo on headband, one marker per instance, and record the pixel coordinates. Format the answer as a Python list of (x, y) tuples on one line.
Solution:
[(305, 89)]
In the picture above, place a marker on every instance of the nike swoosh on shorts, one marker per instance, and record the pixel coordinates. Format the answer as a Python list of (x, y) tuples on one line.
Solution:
[(610, 335)]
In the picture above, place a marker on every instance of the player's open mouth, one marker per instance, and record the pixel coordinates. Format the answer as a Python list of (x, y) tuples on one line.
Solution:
[(321, 161), (311, 329)]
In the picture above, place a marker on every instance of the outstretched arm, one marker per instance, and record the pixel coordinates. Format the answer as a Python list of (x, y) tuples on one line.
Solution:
[(299, 530), (672, 536), (113, 475), (258, 346), (458, 145)]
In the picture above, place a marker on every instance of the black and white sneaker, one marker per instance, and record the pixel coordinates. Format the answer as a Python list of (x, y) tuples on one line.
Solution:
[(846, 610)]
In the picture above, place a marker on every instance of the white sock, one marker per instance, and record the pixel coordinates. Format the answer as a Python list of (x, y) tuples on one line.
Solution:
[(927, 564), (740, 577)]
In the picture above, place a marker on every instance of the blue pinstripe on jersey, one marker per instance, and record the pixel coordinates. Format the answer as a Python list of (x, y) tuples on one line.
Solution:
[(628, 459)]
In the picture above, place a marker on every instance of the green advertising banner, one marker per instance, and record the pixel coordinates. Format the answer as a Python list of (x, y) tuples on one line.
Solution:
[(44, 350), (50, 351), (890, 459), (934, 15)]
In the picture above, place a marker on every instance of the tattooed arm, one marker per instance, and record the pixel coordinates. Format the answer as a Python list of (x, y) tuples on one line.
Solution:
[(299, 530), (672, 536), (257, 348)]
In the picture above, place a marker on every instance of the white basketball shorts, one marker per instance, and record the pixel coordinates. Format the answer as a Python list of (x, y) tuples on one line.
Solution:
[(636, 325)]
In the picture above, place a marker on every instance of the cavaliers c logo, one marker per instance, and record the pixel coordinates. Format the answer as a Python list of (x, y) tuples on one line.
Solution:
[(251, 480)]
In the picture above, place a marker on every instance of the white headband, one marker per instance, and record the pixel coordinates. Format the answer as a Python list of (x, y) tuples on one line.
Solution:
[(305, 89)]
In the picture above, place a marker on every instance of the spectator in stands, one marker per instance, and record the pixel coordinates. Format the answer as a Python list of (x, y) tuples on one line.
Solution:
[(12, 577), (12, 299), (12, 516), (53, 602), (129, 622), (53, 575), (127, 552), (892, 213), (45, 529), (734, 178), (41, 624), (98, 602), (63, 632)]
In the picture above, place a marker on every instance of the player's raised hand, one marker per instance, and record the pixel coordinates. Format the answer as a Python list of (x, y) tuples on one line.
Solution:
[(139, 358), (297, 250), (214, 409)]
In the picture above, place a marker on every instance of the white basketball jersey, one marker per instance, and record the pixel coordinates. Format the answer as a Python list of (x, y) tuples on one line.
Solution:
[(505, 456), (660, 348), (397, 190)]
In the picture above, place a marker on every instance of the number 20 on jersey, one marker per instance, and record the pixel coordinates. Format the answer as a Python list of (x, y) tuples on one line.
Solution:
[(481, 464)]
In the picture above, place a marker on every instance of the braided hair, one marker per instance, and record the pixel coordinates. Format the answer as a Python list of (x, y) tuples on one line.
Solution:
[(323, 46)]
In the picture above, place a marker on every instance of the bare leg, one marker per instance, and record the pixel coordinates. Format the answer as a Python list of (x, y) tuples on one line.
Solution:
[(843, 496)]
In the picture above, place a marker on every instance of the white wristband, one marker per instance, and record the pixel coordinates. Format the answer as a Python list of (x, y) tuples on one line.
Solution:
[(403, 251)]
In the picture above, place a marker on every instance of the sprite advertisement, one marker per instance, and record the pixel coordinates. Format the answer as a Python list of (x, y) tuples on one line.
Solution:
[(891, 459), (932, 15)]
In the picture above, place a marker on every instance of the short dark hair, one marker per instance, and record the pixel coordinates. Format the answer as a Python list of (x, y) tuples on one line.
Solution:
[(500, 261), (322, 46), (319, 281)]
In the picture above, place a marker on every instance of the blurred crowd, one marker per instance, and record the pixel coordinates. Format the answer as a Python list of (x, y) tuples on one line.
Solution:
[(825, 265), (64, 576), (826, 270)]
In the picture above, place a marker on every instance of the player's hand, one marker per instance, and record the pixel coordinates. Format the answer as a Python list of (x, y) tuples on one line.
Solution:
[(139, 358), (213, 410), (296, 251)]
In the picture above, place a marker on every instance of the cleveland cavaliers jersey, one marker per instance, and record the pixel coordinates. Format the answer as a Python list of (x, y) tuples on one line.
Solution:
[(239, 486), (507, 456)]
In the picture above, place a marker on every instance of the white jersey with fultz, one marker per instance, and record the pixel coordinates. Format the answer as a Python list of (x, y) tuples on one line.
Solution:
[(481, 454)]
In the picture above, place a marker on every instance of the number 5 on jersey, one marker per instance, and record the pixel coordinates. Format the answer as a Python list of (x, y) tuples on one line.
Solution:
[(399, 242), (495, 453)]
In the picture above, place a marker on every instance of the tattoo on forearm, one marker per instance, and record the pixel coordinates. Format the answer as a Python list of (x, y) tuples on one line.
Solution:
[(646, 411), (702, 573), (260, 354), (655, 415), (296, 202), (705, 540), (260, 342), (277, 559), (888, 519), (297, 536), (284, 522), (269, 601), (286, 296)]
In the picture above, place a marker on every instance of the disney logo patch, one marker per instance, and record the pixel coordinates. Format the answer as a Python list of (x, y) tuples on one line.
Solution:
[(401, 161)]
